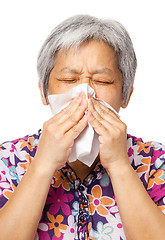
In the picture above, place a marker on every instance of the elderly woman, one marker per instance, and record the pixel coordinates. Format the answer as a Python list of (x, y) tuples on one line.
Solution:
[(122, 194)]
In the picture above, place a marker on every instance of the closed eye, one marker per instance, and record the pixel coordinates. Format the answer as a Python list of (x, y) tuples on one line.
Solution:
[(67, 80), (103, 82)]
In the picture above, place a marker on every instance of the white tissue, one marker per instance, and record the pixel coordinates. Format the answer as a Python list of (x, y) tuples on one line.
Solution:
[(86, 145)]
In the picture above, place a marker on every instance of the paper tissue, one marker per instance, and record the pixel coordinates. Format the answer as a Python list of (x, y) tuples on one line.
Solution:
[(86, 145)]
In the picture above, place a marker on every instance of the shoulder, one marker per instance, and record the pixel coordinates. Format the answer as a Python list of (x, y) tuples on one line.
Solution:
[(137, 147), (26, 143), (148, 160), (15, 158), (17, 154)]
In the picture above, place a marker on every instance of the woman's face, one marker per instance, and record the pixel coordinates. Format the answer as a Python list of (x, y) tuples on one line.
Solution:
[(94, 63)]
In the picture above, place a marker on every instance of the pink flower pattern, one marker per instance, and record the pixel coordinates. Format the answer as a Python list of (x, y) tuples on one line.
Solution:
[(59, 200)]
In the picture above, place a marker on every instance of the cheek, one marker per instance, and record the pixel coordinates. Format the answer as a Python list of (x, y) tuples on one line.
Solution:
[(56, 87), (110, 96)]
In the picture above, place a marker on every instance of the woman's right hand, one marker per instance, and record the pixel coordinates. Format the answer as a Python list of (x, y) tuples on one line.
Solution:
[(59, 133), (54, 147)]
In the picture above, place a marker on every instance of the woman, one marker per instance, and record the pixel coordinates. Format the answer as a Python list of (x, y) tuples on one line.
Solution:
[(122, 195)]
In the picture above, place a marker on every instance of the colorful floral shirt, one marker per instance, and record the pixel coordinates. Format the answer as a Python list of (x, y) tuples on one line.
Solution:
[(88, 209)]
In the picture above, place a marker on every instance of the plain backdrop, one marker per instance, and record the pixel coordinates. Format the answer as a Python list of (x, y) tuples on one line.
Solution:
[(24, 25)]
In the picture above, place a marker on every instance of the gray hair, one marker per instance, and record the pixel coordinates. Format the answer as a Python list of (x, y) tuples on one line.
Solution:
[(79, 29)]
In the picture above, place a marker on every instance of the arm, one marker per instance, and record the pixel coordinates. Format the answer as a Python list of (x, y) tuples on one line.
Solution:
[(20, 216), (141, 218)]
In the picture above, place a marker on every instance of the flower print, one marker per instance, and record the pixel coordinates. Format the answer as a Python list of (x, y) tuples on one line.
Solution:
[(158, 154), (11, 171), (70, 232), (3, 185), (61, 180), (58, 200), (30, 143), (157, 193), (105, 180), (42, 232), (8, 192), (162, 207), (160, 162), (99, 203), (145, 167), (2, 174), (1, 147), (115, 211), (130, 152), (103, 232), (26, 165), (56, 224), (155, 178), (146, 147), (89, 227), (75, 210), (13, 148), (114, 221)]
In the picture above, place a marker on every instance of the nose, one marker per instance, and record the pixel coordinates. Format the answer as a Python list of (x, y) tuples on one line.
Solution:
[(86, 79)]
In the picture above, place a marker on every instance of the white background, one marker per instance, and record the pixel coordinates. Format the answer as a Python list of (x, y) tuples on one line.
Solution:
[(24, 25)]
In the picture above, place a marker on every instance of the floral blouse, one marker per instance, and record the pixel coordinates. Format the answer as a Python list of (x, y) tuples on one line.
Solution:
[(88, 209)]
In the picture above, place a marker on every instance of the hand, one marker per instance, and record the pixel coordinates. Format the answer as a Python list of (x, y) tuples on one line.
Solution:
[(112, 134), (59, 133)]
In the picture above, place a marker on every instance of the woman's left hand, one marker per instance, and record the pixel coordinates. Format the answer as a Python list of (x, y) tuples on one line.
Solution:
[(112, 135)]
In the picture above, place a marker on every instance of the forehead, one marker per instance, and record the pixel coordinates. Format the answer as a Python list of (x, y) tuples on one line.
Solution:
[(92, 52)]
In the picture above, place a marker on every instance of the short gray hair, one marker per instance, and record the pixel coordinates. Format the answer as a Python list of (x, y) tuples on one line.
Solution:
[(80, 29)]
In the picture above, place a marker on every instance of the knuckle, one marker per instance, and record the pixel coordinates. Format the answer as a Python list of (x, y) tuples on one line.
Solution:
[(123, 127), (47, 127)]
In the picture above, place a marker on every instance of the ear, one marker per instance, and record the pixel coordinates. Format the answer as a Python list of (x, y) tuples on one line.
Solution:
[(125, 104), (44, 101)]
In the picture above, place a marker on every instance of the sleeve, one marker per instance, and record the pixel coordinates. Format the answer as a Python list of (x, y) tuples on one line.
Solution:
[(15, 158), (156, 178), (148, 160), (8, 173)]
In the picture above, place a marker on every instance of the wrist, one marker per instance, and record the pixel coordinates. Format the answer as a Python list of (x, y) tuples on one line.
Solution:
[(42, 170), (119, 168)]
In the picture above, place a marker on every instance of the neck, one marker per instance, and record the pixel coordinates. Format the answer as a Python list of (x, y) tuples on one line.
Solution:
[(81, 169)]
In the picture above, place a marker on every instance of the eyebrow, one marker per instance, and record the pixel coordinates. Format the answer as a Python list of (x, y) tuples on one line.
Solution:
[(97, 71), (69, 69)]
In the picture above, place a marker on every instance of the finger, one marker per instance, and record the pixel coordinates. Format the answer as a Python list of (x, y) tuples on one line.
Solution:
[(75, 131), (69, 109), (105, 108), (105, 112), (99, 117), (96, 124), (64, 114), (73, 117)]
